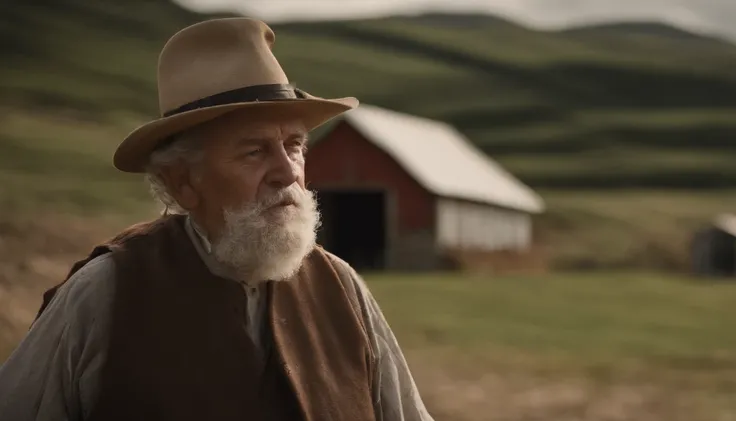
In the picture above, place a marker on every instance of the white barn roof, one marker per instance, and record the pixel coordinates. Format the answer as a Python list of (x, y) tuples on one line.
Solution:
[(441, 159)]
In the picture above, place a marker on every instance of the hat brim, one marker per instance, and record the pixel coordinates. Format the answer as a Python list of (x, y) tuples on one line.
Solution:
[(133, 152)]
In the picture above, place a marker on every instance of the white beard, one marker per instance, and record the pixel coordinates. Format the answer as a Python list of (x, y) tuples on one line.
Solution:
[(259, 244)]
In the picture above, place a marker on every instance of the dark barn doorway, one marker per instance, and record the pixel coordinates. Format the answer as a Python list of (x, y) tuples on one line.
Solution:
[(354, 226)]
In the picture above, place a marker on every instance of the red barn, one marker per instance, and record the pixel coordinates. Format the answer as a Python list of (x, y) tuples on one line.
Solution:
[(398, 191)]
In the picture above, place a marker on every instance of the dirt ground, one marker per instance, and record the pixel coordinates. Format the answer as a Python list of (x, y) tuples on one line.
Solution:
[(35, 255)]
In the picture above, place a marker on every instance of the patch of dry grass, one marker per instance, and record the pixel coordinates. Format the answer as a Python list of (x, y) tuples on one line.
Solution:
[(36, 252), (517, 394), (645, 229)]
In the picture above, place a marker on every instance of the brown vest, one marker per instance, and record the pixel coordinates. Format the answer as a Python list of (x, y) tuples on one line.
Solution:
[(179, 349)]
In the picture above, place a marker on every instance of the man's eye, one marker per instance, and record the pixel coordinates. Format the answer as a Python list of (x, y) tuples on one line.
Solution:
[(297, 147), (252, 153)]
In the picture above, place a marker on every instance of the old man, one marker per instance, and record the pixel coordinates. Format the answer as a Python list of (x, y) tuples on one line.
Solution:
[(224, 308)]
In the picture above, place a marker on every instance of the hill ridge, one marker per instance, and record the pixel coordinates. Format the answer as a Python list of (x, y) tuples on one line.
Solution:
[(559, 109)]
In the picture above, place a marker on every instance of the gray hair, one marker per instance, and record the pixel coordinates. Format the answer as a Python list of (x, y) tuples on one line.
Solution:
[(184, 147)]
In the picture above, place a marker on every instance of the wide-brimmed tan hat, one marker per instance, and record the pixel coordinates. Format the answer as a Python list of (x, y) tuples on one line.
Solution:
[(214, 67)]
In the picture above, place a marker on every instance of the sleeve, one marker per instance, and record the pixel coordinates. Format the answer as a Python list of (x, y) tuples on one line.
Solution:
[(51, 375), (396, 397)]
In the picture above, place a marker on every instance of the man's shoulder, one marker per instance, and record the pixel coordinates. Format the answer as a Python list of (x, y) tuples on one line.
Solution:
[(351, 279), (346, 272), (94, 275), (86, 293), (336, 261)]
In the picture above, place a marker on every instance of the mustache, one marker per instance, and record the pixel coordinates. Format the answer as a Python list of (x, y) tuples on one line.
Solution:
[(293, 195)]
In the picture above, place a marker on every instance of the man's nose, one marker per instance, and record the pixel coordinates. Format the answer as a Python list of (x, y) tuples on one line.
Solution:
[(284, 169)]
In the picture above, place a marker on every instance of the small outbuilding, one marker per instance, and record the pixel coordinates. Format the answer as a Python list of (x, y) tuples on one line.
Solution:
[(713, 249), (403, 192)]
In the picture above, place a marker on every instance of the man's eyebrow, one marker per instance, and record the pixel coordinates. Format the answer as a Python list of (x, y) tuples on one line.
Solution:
[(248, 141), (301, 136), (255, 138), (244, 140)]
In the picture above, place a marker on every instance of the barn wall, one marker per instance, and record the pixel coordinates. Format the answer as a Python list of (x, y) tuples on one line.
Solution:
[(475, 226), (345, 160)]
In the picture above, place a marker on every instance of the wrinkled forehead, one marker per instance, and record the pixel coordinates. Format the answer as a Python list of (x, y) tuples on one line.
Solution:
[(270, 129), (244, 125)]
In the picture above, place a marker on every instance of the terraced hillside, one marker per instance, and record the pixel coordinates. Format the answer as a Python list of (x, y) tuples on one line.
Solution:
[(619, 106)]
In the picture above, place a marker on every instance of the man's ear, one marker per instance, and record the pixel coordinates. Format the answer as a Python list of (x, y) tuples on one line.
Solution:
[(179, 180)]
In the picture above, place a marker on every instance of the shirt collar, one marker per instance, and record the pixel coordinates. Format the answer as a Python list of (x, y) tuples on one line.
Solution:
[(198, 235)]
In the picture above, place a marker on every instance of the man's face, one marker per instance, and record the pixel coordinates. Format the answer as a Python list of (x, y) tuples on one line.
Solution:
[(248, 193), (246, 160)]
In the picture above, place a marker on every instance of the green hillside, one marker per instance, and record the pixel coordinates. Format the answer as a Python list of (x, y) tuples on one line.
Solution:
[(612, 106)]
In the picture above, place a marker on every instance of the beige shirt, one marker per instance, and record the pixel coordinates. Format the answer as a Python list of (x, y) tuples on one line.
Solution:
[(53, 375)]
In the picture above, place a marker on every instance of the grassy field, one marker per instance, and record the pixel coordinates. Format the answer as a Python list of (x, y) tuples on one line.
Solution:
[(582, 320), (75, 175), (615, 346)]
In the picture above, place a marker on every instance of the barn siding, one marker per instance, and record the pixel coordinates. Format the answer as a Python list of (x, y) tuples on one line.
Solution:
[(463, 224), (344, 159)]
